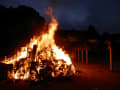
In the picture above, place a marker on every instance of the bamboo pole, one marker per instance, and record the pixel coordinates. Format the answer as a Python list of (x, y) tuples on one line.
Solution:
[(86, 51)]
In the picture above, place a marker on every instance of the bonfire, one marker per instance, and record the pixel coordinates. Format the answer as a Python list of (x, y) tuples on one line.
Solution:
[(41, 58)]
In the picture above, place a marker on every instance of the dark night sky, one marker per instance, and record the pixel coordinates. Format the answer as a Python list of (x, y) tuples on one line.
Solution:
[(79, 14)]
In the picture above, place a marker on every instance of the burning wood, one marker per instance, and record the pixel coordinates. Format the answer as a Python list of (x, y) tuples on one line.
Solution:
[(41, 58), (3, 70)]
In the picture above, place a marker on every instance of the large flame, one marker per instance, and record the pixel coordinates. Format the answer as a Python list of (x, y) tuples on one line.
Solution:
[(42, 51)]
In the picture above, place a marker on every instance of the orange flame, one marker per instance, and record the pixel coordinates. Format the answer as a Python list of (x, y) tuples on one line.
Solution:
[(46, 49)]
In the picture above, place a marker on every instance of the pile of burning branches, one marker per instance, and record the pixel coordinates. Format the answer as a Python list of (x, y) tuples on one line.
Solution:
[(40, 59), (40, 68)]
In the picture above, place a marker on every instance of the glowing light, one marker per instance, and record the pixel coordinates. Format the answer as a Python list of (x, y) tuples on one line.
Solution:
[(46, 49)]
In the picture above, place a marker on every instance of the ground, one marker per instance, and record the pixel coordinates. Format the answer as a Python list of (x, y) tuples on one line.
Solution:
[(87, 77)]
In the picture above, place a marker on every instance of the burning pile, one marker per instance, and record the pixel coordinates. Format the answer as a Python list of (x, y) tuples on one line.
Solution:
[(40, 59)]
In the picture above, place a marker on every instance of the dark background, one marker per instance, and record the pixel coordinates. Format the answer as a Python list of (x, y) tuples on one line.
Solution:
[(77, 14), (80, 22), (18, 25)]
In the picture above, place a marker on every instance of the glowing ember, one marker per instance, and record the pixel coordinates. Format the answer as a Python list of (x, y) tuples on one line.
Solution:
[(40, 58)]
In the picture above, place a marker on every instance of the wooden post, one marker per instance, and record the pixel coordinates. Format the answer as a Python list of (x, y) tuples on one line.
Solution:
[(78, 57), (110, 59), (34, 52), (82, 55), (75, 56), (86, 51), (5, 58)]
